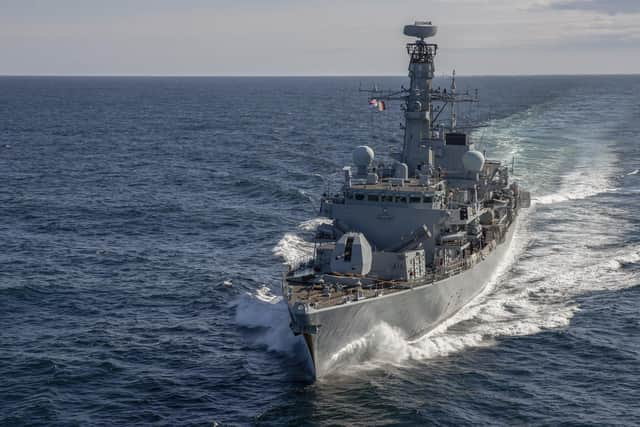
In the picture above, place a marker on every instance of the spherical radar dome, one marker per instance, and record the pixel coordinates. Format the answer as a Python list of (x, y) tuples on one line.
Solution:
[(363, 156), (473, 161)]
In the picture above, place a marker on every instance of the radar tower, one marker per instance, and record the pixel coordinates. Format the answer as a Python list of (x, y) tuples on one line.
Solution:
[(421, 130)]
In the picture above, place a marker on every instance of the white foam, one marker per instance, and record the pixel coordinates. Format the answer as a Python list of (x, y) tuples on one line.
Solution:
[(386, 345), (573, 194), (267, 314), (313, 224), (630, 258), (633, 257), (592, 175), (635, 172), (265, 294), (264, 310), (292, 248)]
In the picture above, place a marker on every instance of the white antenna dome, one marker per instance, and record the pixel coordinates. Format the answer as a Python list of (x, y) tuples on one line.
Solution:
[(363, 156), (473, 161)]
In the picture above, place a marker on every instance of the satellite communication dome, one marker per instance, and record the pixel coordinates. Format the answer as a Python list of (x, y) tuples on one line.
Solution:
[(473, 161), (363, 156), (421, 30)]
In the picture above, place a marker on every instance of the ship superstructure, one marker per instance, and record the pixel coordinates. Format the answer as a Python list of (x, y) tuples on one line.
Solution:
[(411, 241)]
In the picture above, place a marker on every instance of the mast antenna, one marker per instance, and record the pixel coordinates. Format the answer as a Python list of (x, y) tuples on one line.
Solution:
[(453, 104)]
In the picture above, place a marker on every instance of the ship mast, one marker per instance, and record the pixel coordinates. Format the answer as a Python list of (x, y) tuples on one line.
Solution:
[(423, 134), (418, 112), (453, 93)]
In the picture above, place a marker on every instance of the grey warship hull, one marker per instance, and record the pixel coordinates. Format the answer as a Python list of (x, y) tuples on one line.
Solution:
[(414, 311)]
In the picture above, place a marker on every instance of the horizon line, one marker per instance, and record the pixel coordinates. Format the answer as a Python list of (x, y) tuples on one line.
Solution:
[(307, 75)]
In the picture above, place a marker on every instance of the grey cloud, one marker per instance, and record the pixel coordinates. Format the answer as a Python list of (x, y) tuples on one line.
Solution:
[(611, 7)]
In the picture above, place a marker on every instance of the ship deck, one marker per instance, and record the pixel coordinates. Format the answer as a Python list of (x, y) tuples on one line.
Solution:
[(408, 185), (323, 290), (341, 289)]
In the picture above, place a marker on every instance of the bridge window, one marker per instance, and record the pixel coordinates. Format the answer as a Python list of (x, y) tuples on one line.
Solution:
[(415, 199), (464, 214), (401, 199), (428, 199), (348, 249), (386, 198), (373, 197)]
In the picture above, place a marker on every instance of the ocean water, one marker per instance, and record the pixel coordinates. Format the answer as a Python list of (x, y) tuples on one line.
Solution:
[(145, 224)]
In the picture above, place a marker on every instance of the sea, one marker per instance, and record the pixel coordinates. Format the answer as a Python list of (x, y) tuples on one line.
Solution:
[(146, 223)]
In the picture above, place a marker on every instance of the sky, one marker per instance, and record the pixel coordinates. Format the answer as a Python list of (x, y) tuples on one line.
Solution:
[(315, 37)]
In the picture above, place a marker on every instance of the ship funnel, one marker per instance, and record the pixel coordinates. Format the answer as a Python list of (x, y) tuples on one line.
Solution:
[(420, 29)]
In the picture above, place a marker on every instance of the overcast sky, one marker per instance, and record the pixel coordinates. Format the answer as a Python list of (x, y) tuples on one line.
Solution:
[(315, 37)]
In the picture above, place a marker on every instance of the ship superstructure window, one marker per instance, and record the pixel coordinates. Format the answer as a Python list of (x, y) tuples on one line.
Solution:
[(415, 199), (359, 196), (373, 198), (428, 199), (386, 198), (401, 199), (464, 214), (348, 249)]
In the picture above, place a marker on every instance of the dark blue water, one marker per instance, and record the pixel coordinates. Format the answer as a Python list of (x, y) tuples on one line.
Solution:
[(145, 224)]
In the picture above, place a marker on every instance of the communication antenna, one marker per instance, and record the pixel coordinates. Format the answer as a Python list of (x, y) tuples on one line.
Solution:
[(453, 105)]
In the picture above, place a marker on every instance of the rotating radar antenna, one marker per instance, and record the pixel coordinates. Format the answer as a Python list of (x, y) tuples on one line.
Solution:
[(420, 30)]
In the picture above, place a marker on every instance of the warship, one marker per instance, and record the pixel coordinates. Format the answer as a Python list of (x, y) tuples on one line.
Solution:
[(411, 240)]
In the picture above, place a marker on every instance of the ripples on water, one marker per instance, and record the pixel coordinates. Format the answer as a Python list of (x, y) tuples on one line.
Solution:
[(145, 224)]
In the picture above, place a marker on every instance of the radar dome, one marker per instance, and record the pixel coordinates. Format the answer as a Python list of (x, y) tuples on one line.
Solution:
[(473, 161), (363, 156)]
